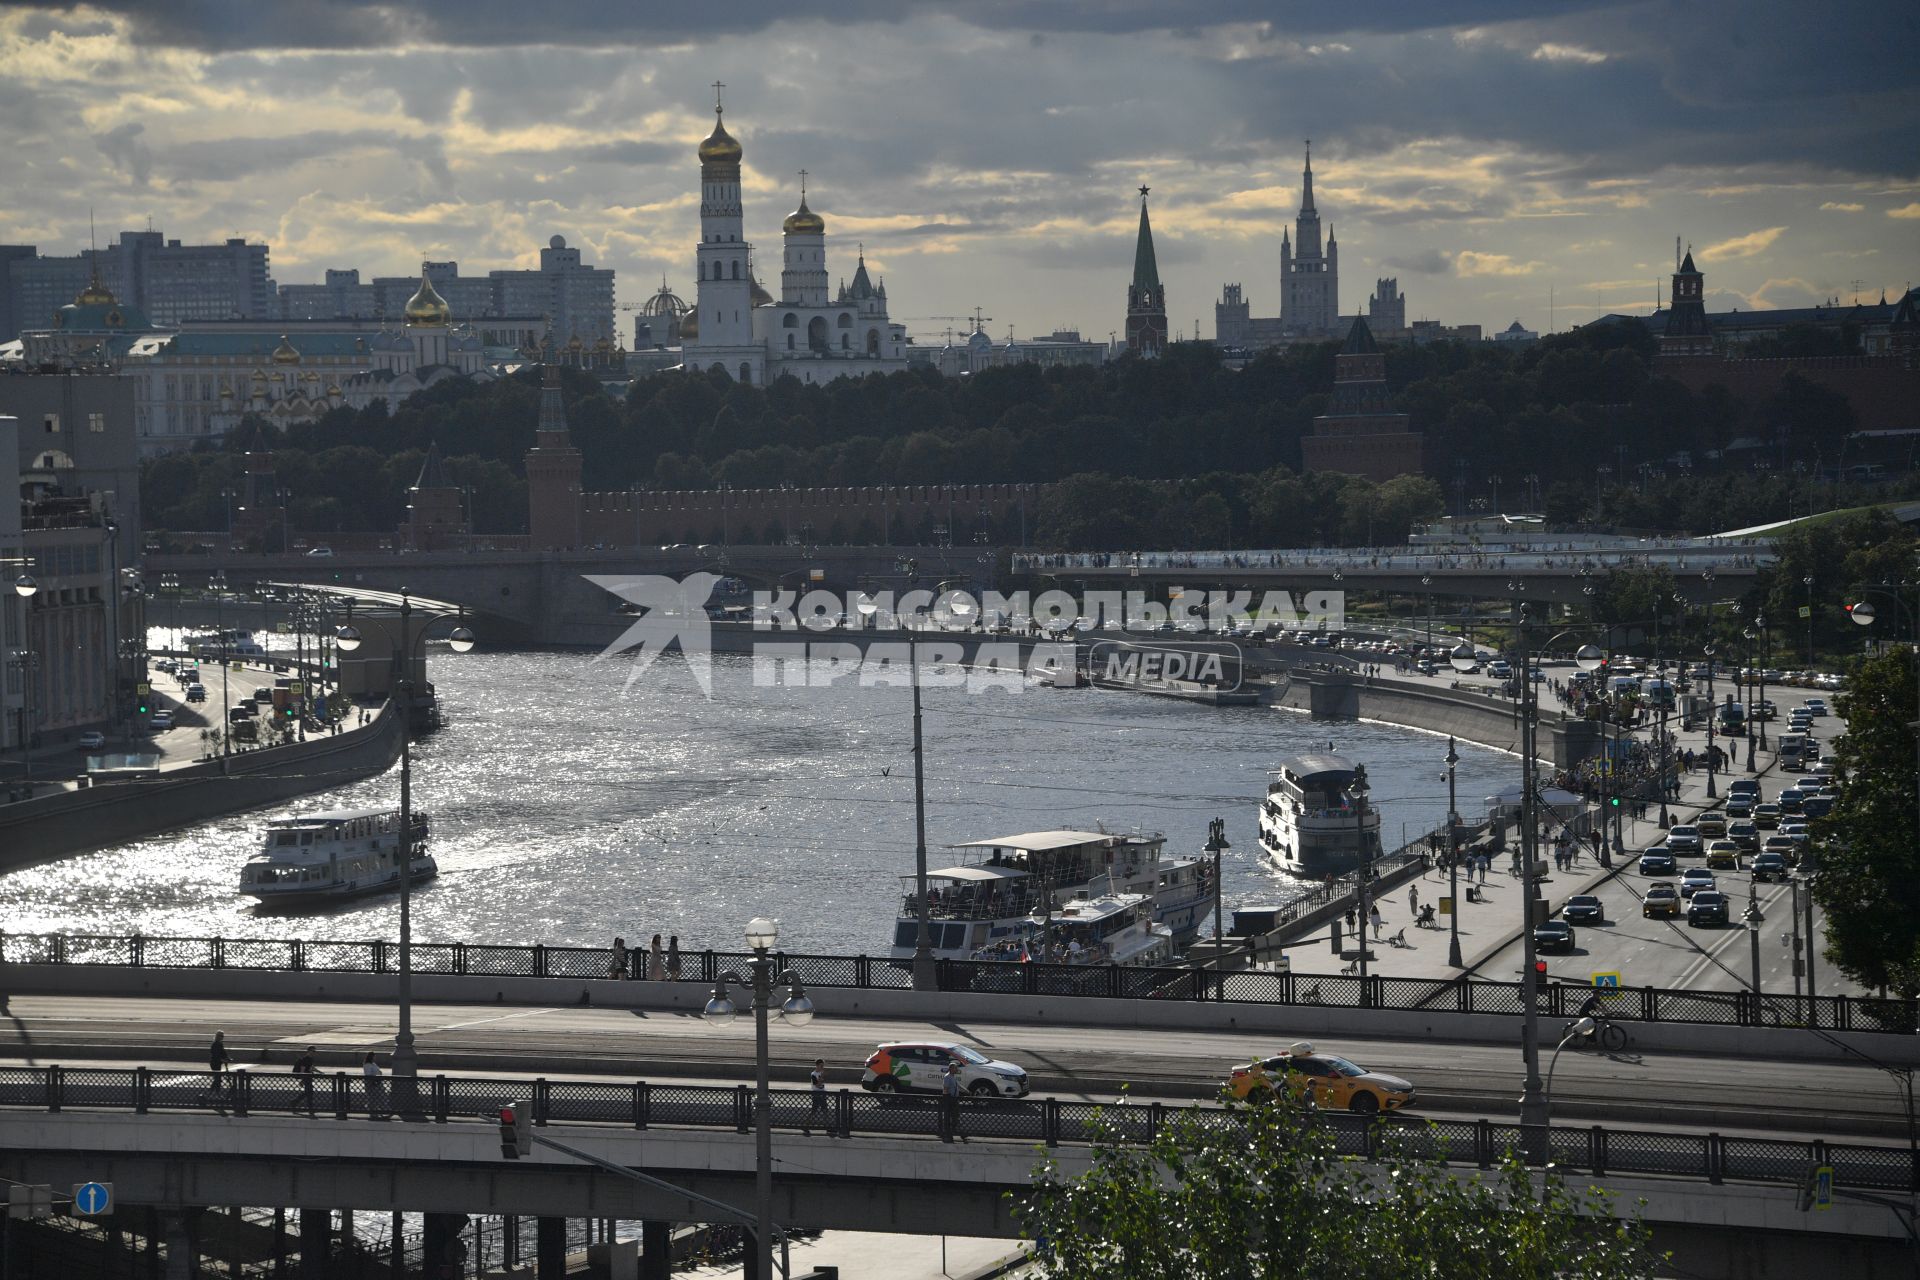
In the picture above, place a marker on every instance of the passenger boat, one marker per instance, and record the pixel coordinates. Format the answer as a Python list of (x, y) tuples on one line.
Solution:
[(999, 883), (317, 858), (1113, 929), (233, 641), (1308, 826)]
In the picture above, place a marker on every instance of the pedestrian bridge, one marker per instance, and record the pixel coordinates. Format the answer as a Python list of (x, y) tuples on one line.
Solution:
[(1726, 1206)]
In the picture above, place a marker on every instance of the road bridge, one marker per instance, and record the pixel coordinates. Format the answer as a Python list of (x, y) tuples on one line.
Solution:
[(1727, 1206)]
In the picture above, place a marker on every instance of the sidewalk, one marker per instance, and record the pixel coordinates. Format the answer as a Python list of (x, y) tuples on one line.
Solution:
[(865, 1255)]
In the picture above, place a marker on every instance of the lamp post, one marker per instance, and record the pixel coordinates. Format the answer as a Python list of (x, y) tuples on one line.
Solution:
[(1453, 860), (27, 663), (406, 649), (1217, 845), (796, 1009), (1357, 795), (1582, 1027), (219, 584), (1760, 672), (1712, 711), (925, 974), (1753, 711), (1754, 918), (1426, 580), (1533, 1097), (1807, 582)]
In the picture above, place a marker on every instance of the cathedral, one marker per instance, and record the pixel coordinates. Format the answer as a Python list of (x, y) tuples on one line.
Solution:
[(812, 332)]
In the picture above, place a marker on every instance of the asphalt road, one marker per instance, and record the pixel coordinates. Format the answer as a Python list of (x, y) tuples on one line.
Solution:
[(1629, 1088)]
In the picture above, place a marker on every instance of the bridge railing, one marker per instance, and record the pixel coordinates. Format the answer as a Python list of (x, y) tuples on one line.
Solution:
[(1462, 995), (642, 1104)]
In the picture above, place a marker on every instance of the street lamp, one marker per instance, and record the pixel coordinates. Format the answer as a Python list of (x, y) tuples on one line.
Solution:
[(1712, 711), (1533, 1098), (1807, 582), (1754, 918), (1582, 1027), (796, 1010), (1453, 860), (1760, 673), (406, 1060), (1357, 794)]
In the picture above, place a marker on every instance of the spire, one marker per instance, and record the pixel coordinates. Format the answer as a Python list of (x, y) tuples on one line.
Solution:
[(1306, 190), (1360, 339), (862, 284), (553, 413), (1146, 270), (433, 471)]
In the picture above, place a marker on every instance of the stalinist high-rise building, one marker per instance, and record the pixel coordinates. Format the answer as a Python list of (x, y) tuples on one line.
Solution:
[(1309, 279)]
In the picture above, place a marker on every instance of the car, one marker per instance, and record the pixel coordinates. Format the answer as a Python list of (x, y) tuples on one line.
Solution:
[(92, 740), (1782, 845), (1744, 834), (1499, 669), (1554, 935), (1817, 707), (1766, 816), (1585, 908), (1796, 832), (1337, 1083), (327, 551), (1769, 866), (263, 693), (1817, 806), (1709, 906), (1656, 862), (1684, 839), (1790, 802), (1696, 879), (1712, 824), (1661, 899), (160, 721), (1749, 787), (1739, 807), (919, 1065), (1723, 855), (196, 693)]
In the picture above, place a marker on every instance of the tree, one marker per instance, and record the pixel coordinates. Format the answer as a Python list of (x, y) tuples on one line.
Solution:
[(1267, 1196), (1869, 881)]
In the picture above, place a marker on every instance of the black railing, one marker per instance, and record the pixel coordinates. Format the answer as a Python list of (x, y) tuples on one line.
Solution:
[(1250, 986), (642, 1104)]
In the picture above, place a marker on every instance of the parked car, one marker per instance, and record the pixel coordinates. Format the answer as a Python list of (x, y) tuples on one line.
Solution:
[(1707, 907), (1584, 908), (919, 1065)]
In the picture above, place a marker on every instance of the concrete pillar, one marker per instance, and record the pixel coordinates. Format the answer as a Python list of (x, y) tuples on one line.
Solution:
[(656, 1251), (446, 1252), (316, 1243), (183, 1262), (550, 1249)]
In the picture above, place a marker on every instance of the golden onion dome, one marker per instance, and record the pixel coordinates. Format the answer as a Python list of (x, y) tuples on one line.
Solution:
[(284, 353), (804, 221), (426, 308), (720, 147), (96, 295), (759, 297), (690, 324), (574, 343), (333, 389)]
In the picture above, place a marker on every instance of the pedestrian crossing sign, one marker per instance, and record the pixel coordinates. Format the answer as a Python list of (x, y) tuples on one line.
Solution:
[(1823, 1187), (1606, 982)]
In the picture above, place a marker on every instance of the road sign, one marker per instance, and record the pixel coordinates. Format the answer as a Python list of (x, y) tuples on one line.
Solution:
[(1823, 1187), (1606, 982), (143, 688), (93, 1199), (295, 688), (25, 1200), (1446, 906)]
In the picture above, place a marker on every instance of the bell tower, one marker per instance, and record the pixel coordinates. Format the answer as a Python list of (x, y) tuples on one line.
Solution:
[(553, 474)]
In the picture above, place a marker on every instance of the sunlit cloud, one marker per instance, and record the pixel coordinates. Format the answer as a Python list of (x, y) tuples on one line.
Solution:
[(1906, 211), (1839, 206), (1754, 242), (1568, 53), (1469, 263)]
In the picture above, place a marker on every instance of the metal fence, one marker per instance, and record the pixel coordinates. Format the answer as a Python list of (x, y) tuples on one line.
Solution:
[(1252, 986), (642, 1104)]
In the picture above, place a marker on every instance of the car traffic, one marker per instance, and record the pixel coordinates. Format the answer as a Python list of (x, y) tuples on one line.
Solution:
[(1330, 1080), (919, 1067)]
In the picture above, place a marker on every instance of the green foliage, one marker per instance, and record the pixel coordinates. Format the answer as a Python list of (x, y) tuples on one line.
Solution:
[(1270, 1199), (1869, 881)]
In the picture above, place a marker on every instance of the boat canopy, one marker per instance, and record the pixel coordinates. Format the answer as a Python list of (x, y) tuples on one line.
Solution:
[(1319, 768), (988, 872), (1039, 841)]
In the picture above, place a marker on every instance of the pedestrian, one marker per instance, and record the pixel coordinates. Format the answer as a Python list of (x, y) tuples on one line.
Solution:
[(1353, 920), (656, 962), (1375, 919), (673, 958), (617, 959), (1413, 899), (303, 1067), (817, 1092), (950, 1104), (217, 1064), (376, 1088)]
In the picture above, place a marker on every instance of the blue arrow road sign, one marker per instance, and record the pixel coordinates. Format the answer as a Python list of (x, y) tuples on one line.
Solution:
[(93, 1198)]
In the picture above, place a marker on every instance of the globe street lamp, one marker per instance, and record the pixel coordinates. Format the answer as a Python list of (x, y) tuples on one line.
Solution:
[(1357, 796), (1711, 712), (1753, 715), (406, 651), (1453, 861), (796, 1010)]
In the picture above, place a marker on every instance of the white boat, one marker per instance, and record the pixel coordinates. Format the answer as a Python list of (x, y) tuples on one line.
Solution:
[(1307, 824), (325, 857), (233, 641), (1113, 929), (999, 883)]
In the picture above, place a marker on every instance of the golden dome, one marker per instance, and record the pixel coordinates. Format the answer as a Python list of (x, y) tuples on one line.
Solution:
[(427, 309), (259, 377), (689, 324), (758, 296), (333, 389), (96, 295), (720, 147), (573, 343), (804, 221), (284, 353)]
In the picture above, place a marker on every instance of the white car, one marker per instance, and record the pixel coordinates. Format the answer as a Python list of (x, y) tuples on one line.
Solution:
[(1816, 707), (92, 740), (1684, 839), (160, 721), (918, 1067)]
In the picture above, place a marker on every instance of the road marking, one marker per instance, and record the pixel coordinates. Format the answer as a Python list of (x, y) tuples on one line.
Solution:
[(498, 1017)]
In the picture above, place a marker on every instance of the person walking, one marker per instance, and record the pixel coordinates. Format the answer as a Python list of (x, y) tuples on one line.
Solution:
[(950, 1104), (617, 959), (673, 958), (1375, 919), (376, 1088), (817, 1096), (1413, 899), (656, 961), (217, 1065), (303, 1067)]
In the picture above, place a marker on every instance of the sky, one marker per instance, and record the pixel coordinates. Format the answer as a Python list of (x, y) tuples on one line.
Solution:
[(1503, 160)]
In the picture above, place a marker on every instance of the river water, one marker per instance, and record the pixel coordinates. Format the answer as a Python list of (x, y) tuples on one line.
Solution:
[(568, 807)]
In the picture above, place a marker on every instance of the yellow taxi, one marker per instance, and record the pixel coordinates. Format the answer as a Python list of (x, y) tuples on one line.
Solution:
[(1662, 900), (1723, 855), (1712, 824), (1335, 1082)]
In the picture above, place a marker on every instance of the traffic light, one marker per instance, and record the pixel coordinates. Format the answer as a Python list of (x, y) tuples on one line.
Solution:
[(1614, 801), (141, 707), (516, 1129)]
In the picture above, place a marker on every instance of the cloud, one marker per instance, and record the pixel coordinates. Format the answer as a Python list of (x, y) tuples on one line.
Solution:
[(1838, 206), (1567, 53), (1469, 263), (1906, 211), (1430, 262), (1789, 292), (1754, 242)]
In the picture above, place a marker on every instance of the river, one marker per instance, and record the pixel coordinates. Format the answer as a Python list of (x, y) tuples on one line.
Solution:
[(568, 807)]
